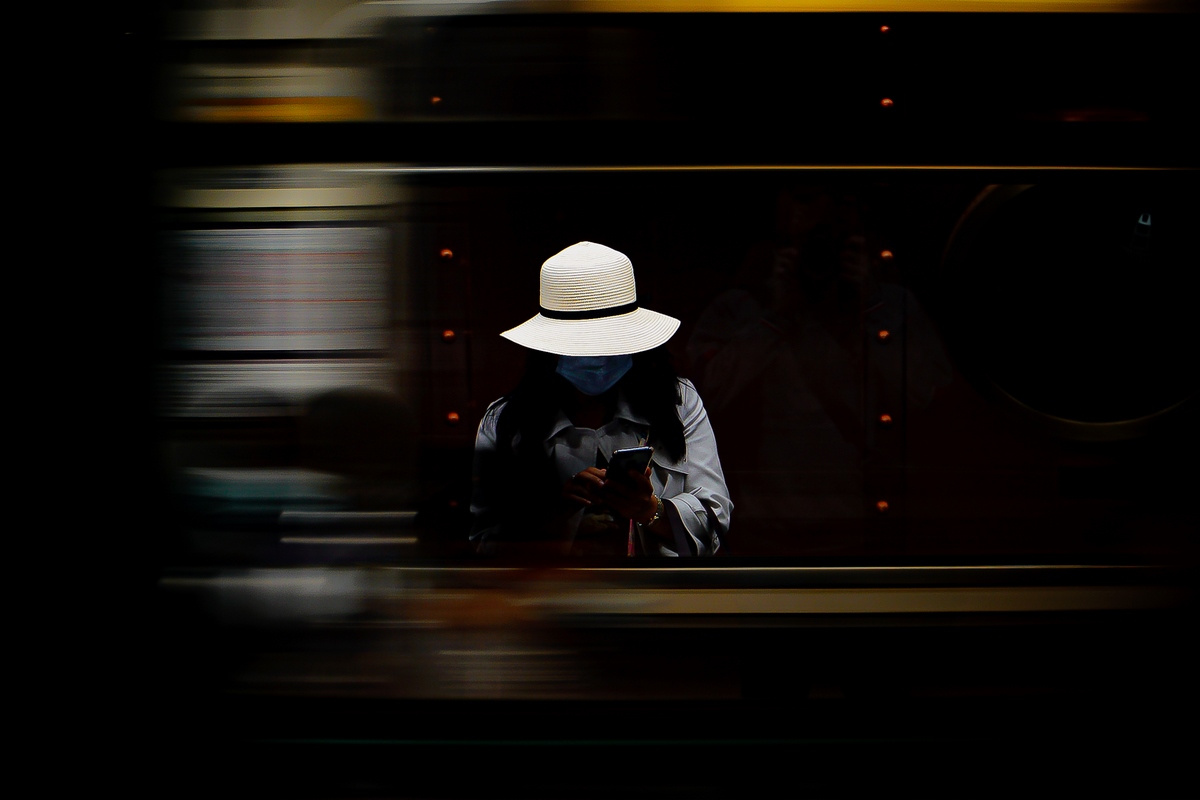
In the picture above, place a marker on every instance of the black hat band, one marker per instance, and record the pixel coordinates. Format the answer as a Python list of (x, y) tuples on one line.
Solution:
[(599, 313)]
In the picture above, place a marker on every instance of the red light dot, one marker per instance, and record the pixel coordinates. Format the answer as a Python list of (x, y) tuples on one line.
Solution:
[(886, 255), (448, 335), (881, 506), (884, 335), (452, 418), (884, 29), (885, 419), (886, 102), (435, 100), (446, 254)]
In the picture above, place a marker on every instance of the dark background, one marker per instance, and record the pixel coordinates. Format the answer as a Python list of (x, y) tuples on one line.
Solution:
[(1036, 703)]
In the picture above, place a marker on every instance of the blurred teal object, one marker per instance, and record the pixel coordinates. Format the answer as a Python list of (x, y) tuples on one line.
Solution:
[(260, 495)]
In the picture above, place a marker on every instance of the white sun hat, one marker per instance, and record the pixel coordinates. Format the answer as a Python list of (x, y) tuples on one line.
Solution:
[(589, 307)]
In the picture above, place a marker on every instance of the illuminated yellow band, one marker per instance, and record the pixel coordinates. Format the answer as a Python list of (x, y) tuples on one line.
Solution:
[(276, 109)]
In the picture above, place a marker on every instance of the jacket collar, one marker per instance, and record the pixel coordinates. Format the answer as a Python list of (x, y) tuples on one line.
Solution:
[(623, 411)]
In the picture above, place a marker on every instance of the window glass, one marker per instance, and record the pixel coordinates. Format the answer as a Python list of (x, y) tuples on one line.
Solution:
[(892, 368)]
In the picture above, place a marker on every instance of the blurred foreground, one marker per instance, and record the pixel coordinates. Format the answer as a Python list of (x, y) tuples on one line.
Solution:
[(707, 682)]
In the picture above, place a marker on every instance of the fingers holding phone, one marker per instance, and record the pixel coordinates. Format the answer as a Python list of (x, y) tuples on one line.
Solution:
[(624, 486), (627, 488), (632, 496), (585, 488)]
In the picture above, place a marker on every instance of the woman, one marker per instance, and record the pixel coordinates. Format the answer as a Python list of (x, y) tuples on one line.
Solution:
[(598, 380)]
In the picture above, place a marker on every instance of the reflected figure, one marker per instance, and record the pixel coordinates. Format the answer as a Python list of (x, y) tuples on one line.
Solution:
[(598, 381), (800, 356)]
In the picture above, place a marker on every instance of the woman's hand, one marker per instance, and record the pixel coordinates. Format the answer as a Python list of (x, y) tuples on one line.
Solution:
[(631, 495), (584, 488)]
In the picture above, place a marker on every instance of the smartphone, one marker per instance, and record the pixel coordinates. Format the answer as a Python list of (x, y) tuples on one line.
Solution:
[(632, 458)]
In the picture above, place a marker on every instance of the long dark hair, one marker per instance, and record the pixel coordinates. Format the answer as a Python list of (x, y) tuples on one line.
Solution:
[(651, 388)]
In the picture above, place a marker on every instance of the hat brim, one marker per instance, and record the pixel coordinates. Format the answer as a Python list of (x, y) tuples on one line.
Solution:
[(635, 332)]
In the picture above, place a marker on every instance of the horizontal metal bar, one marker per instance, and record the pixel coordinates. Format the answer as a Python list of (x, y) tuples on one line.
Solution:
[(413, 169), (724, 602), (349, 540), (356, 519)]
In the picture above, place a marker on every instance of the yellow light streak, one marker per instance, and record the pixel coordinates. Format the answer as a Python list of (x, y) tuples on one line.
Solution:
[(894, 6), (276, 109)]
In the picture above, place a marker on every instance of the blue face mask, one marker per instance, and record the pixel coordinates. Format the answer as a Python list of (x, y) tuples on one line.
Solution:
[(594, 375)]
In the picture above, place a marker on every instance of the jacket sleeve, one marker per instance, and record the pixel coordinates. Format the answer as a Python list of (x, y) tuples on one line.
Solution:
[(700, 513), (485, 481)]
